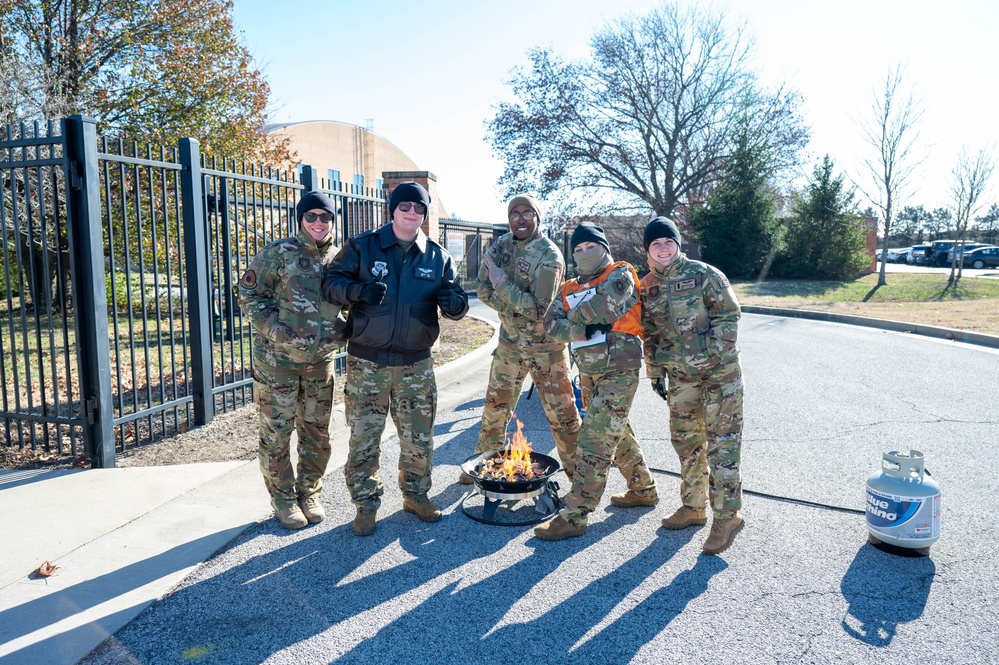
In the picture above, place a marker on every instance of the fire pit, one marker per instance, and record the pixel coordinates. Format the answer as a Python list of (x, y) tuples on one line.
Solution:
[(512, 474)]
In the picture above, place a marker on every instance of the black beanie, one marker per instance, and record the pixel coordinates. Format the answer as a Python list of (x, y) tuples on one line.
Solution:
[(661, 227), (314, 200), (409, 191), (587, 232)]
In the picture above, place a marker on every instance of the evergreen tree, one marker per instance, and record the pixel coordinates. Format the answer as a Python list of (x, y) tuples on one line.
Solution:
[(825, 237), (737, 228)]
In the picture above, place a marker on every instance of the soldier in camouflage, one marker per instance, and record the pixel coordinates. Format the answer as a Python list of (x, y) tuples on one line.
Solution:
[(296, 336), (600, 315), (519, 277), (690, 317), (394, 279)]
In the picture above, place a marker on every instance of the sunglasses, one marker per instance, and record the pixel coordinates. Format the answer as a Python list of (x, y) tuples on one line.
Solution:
[(405, 206), (324, 217), (528, 216)]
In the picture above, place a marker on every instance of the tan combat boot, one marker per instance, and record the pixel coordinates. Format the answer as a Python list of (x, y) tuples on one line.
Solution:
[(312, 509), (364, 521), (559, 529), (685, 516), (723, 533), (465, 479), (291, 517), (420, 506), (631, 499)]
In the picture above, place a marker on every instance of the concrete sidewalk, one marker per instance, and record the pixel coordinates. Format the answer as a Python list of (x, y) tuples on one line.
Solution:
[(124, 537)]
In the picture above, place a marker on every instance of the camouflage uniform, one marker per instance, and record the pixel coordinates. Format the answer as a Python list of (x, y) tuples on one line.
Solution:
[(534, 269), (690, 316), (369, 392), (609, 379), (296, 336)]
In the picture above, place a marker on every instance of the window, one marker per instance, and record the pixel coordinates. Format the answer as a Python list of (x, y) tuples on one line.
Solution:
[(334, 178)]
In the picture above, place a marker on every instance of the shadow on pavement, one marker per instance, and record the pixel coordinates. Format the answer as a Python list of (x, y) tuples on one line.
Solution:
[(884, 590), (64, 604)]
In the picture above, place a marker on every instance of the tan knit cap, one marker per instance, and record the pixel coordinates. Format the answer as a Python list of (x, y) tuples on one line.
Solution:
[(527, 200)]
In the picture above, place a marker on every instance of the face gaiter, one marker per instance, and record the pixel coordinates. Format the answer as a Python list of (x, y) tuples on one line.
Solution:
[(592, 260)]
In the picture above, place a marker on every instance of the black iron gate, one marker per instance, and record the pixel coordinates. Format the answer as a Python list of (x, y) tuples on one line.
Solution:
[(119, 324)]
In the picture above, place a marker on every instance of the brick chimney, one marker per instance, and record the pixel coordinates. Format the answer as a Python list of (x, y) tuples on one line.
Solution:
[(392, 179)]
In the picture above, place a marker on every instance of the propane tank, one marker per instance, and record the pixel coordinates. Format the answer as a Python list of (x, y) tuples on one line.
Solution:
[(903, 505)]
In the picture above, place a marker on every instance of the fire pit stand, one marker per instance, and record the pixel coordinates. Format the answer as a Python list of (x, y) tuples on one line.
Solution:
[(541, 488), (546, 504)]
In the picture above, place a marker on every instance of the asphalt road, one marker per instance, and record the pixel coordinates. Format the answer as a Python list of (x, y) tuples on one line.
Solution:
[(823, 401), (967, 272)]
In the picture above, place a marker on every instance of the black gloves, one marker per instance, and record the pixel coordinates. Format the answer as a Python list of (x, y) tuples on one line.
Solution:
[(593, 328), (661, 388), (449, 301), (371, 293)]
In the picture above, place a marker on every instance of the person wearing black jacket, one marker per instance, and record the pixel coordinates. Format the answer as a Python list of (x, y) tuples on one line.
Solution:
[(393, 279)]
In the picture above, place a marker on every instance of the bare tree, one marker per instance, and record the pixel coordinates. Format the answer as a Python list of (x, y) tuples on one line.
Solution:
[(650, 117), (969, 184), (890, 130)]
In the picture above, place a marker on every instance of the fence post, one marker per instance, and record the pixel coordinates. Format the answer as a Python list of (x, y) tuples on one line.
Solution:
[(90, 302), (199, 295), (310, 179)]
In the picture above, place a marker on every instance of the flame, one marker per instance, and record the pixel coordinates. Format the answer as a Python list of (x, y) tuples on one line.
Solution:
[(518, 450), (513, 461)]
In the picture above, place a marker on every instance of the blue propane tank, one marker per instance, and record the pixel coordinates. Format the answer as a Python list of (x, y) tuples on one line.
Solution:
[(903, 504)]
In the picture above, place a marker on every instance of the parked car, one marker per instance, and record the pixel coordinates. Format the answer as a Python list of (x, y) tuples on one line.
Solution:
[(898, 255), (936, 255), (983, 257), (917, 256), (968, 247)]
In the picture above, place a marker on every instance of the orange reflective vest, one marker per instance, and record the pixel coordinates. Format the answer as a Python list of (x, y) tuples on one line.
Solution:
[(631, 322)]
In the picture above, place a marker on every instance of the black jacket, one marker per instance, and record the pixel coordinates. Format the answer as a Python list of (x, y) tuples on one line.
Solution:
[(400, 330)]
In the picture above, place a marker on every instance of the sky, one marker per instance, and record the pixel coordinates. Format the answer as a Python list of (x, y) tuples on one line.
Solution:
[(429, 75)]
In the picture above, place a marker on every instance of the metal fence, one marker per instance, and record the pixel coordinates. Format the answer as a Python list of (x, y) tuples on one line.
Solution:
[(120, 324), (467, 243), (39, 372)]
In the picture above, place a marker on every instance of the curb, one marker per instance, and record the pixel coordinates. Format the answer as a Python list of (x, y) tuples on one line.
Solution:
[(455, 369), (968, 337)]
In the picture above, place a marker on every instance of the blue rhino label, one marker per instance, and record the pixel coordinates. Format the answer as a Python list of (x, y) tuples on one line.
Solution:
[(904, 518)]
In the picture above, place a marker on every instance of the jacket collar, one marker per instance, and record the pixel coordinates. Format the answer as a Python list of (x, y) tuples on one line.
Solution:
[(387, 238), (310, 242)]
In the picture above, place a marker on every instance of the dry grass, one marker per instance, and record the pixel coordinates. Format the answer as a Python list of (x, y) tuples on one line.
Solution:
[(912, 298)]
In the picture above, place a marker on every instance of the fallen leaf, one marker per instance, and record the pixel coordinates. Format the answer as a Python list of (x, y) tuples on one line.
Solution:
[(46, 570), (81, 462)]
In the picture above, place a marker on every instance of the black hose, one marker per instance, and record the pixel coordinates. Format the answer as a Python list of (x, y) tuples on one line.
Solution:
[(785, 499)]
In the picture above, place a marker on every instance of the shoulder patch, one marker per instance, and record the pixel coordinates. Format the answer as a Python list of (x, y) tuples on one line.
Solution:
[(249, 279), (652, 292), (621, 285), (304, 263)]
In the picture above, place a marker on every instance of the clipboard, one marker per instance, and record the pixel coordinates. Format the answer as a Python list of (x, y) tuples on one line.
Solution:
[(575, 299)]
